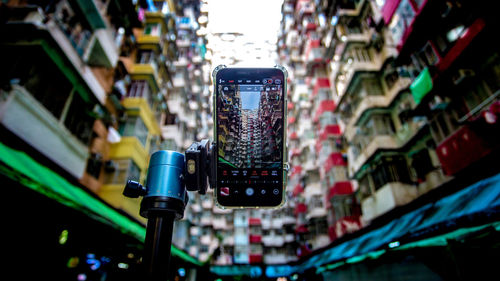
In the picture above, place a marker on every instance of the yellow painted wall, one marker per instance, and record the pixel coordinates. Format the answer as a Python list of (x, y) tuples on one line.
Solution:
[(113, 195), (130, 148), (145, 112)]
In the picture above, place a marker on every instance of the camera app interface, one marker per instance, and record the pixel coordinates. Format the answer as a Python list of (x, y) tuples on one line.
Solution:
[(249, 134)]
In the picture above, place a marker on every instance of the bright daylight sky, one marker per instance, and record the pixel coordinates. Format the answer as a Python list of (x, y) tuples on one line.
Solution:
[(250, 100), (258, 20)]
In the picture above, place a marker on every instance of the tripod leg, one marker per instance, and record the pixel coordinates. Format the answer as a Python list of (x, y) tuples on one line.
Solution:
[(157, 245)]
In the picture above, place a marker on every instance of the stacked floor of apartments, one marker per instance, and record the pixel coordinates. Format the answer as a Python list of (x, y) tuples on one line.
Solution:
[(388, 100), (89, 90)]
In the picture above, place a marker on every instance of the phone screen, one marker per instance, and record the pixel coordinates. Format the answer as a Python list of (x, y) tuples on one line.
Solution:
[(250, 134)]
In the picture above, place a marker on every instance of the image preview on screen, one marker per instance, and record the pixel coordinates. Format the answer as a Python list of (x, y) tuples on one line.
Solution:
[(250, 121)]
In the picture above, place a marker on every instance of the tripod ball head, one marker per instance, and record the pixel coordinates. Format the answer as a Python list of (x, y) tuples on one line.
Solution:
[(165, 185)]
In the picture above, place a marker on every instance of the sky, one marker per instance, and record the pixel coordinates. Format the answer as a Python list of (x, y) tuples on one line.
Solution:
[(250, 100), (251, 29)]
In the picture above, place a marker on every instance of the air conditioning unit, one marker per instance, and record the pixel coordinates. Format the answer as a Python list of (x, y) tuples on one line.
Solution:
[(461, 75), (110, 166)]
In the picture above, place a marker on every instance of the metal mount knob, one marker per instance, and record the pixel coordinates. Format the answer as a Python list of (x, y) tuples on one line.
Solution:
[(134, 189)]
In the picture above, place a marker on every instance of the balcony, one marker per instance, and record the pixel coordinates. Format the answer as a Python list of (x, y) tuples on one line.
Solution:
[(140, 105), (102, 50), (379, 101), (350, 8), (344, 226), (329, 131), (241, 239), (194, 231), (254, 221), (255, 238), (130, 148), (207, 204), (409, 129), (300, 208), (273, 240), (255, 258), (74, 54), (206, 221), (146, 71), (228, 240), (206, 239), (42, 131), (352, 66), (465, 147), (172, 132), (219, 223), (275, 258), (347, 36), (356, 160), (334, 159), (386, 198), (340, 188), (304, 7), (324, 106), (314, 52), (322, 84)]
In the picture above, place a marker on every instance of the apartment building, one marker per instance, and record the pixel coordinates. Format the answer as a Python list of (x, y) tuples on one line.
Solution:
[(86, 94), (372, 118)]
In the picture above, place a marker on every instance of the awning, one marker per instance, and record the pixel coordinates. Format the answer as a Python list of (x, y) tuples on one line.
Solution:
[(430, 225), (20, 167), (481, 197)]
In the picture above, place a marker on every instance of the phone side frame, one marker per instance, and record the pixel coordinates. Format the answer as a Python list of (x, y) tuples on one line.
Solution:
[(286, 164)]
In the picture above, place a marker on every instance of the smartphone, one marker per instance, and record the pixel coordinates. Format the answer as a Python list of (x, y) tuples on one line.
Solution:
[(250, 136)]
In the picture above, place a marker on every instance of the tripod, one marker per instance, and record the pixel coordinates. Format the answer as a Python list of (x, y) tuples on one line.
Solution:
[(165, 196)]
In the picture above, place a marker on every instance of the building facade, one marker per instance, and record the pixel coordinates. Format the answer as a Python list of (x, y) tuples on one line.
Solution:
[(382, 106)]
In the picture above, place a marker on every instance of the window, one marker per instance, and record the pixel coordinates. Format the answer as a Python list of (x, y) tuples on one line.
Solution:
[(443, 124), (94, 165), (153, 29), (371, 87), (364, 190), (120, 170), (422, 164), (401, 20), (38, 74), (390, 169), (391, 77), (135, 127), (80, 119), (316, 201), (141, 89)]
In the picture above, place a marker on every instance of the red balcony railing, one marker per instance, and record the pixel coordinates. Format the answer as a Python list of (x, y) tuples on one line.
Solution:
[(300, 208), (334, 159), (254, 221), (323, 82), (340, 188), (255, 258), (298, 189), (324, 106), (463, 148), (343, 226), (332, 130), (296, 170), (301, 229), (462, 43), (255, 238)]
